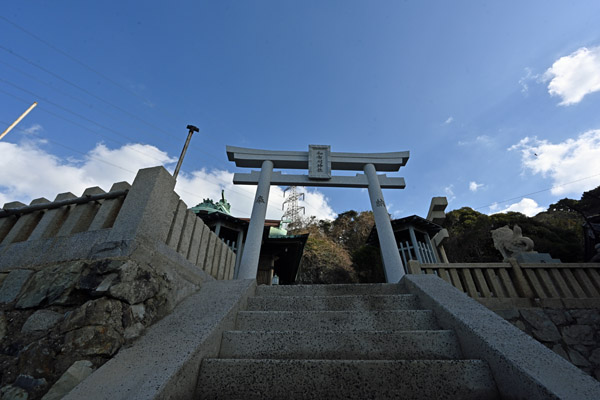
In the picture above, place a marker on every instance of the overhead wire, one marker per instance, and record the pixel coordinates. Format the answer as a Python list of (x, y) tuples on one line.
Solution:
[(103, 100), (78, 115), (91, 69), (223, 182), (86, 66), (55, 48)]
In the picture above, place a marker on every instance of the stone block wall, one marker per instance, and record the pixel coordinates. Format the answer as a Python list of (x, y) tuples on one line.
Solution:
[(72, 228), (573, 333), (79, 281)]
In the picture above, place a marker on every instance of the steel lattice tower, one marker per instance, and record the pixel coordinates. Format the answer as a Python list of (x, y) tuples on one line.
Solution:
[(292, 213)]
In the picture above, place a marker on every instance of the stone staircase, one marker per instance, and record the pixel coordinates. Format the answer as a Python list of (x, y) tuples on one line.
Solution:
[(340, 342)]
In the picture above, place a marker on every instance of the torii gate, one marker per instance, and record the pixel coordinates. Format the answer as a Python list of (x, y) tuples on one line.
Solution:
[(320, 161)]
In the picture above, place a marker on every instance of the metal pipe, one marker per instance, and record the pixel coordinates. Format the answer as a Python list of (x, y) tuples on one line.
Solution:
[(192, 129)]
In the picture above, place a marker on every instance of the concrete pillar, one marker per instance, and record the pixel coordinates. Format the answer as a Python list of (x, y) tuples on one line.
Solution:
[(392, 264), (249, 263)]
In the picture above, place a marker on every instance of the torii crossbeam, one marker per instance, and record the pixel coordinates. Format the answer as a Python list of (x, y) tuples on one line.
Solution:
[(320, 161)]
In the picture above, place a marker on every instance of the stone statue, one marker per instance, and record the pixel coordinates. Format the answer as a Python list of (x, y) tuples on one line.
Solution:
[(510, 243)]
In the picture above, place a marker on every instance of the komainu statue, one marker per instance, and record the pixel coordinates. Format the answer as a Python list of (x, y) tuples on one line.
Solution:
[(511, 242)]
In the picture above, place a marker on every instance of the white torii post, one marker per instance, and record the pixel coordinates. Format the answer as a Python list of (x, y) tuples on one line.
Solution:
[(387, 241), (249, 263), (319, 161)]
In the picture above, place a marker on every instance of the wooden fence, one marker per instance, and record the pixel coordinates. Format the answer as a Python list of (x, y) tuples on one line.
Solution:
[(510, 284)]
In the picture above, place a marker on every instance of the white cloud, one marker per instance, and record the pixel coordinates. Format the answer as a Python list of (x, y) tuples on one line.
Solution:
[(27, 171), (449, 191), (481, 140), (524, 81), (33, 129), (574, 76), (526, 206), (573, 165), (449, 120), (474, 186)]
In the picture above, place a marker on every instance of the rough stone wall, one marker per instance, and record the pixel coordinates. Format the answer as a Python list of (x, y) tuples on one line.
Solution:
[(574, 334), (78, 313)]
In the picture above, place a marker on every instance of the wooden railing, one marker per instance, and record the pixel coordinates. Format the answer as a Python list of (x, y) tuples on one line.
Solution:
[(511, 284)]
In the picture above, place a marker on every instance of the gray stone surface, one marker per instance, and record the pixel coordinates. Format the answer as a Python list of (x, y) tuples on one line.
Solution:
[(333, 303), (336, 320), (73, 376), (559, 317), (41, 320), (94, 340), (543, 328), (586, 317), (11, 392), (328, 290), (165, 361), (52, 285), (508, 314), (12, 284), (578, 359), (345, 345), (149, 207), (103, 311), (346, 379), (522, 367), (578, 334), (595, 356), (3, 327), (558, 349), (51, 220), (107, 213), (28, 382), (136, 283)]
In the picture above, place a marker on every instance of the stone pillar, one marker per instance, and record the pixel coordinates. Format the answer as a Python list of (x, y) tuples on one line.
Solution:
[(392, 264), (238, 254), (148, 209), (249, 263)]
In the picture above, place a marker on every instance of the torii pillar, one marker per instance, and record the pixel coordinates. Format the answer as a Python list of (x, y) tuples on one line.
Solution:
[(319, 161)]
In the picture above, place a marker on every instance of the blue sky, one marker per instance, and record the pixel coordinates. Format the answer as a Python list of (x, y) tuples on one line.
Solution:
[(497, 102)]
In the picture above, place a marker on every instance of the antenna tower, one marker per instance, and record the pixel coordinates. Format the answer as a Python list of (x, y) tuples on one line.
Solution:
[(292, 213)]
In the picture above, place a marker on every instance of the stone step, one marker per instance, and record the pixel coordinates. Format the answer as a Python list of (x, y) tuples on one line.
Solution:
[(341, 345), (329, 290), (345, 379), (334, 303), (401, 320)]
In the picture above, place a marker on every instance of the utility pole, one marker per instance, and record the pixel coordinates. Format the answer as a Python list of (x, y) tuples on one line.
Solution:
[(191, 129), (18, 120), (293, 210)]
